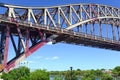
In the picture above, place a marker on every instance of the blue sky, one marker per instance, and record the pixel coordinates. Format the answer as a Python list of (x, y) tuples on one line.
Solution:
[(61, 56)]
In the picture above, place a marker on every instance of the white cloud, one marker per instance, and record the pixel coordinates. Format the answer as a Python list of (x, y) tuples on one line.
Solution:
[(52, 58), (37, 57), (47, 58), (55, 57), (49, 43)]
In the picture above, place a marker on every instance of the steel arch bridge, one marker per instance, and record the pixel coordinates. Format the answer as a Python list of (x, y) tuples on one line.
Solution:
[(29, 28)]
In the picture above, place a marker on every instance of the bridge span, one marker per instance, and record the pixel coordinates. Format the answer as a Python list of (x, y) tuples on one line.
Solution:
[(29, 28)]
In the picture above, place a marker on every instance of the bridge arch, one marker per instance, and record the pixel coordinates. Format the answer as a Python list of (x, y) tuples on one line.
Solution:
[(93, 20)]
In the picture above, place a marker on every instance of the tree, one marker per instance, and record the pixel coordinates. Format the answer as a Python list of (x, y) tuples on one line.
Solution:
[(21, 73), (89, 75), (68, 75), (107, 77), (39, 75), (116, 71)]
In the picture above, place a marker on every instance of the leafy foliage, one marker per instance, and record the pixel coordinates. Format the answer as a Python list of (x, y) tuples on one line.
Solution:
[(21, 73), (116, 71), (39, 75)]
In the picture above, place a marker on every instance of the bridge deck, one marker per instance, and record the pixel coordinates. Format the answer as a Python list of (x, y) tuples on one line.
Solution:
[(70, 37), (90, 41)]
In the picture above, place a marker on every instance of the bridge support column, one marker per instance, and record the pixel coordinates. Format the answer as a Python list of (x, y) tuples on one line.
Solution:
[(6, 46)]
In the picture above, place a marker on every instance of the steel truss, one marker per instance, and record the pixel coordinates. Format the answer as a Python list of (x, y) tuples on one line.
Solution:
[(29, 28), (24, 41)]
